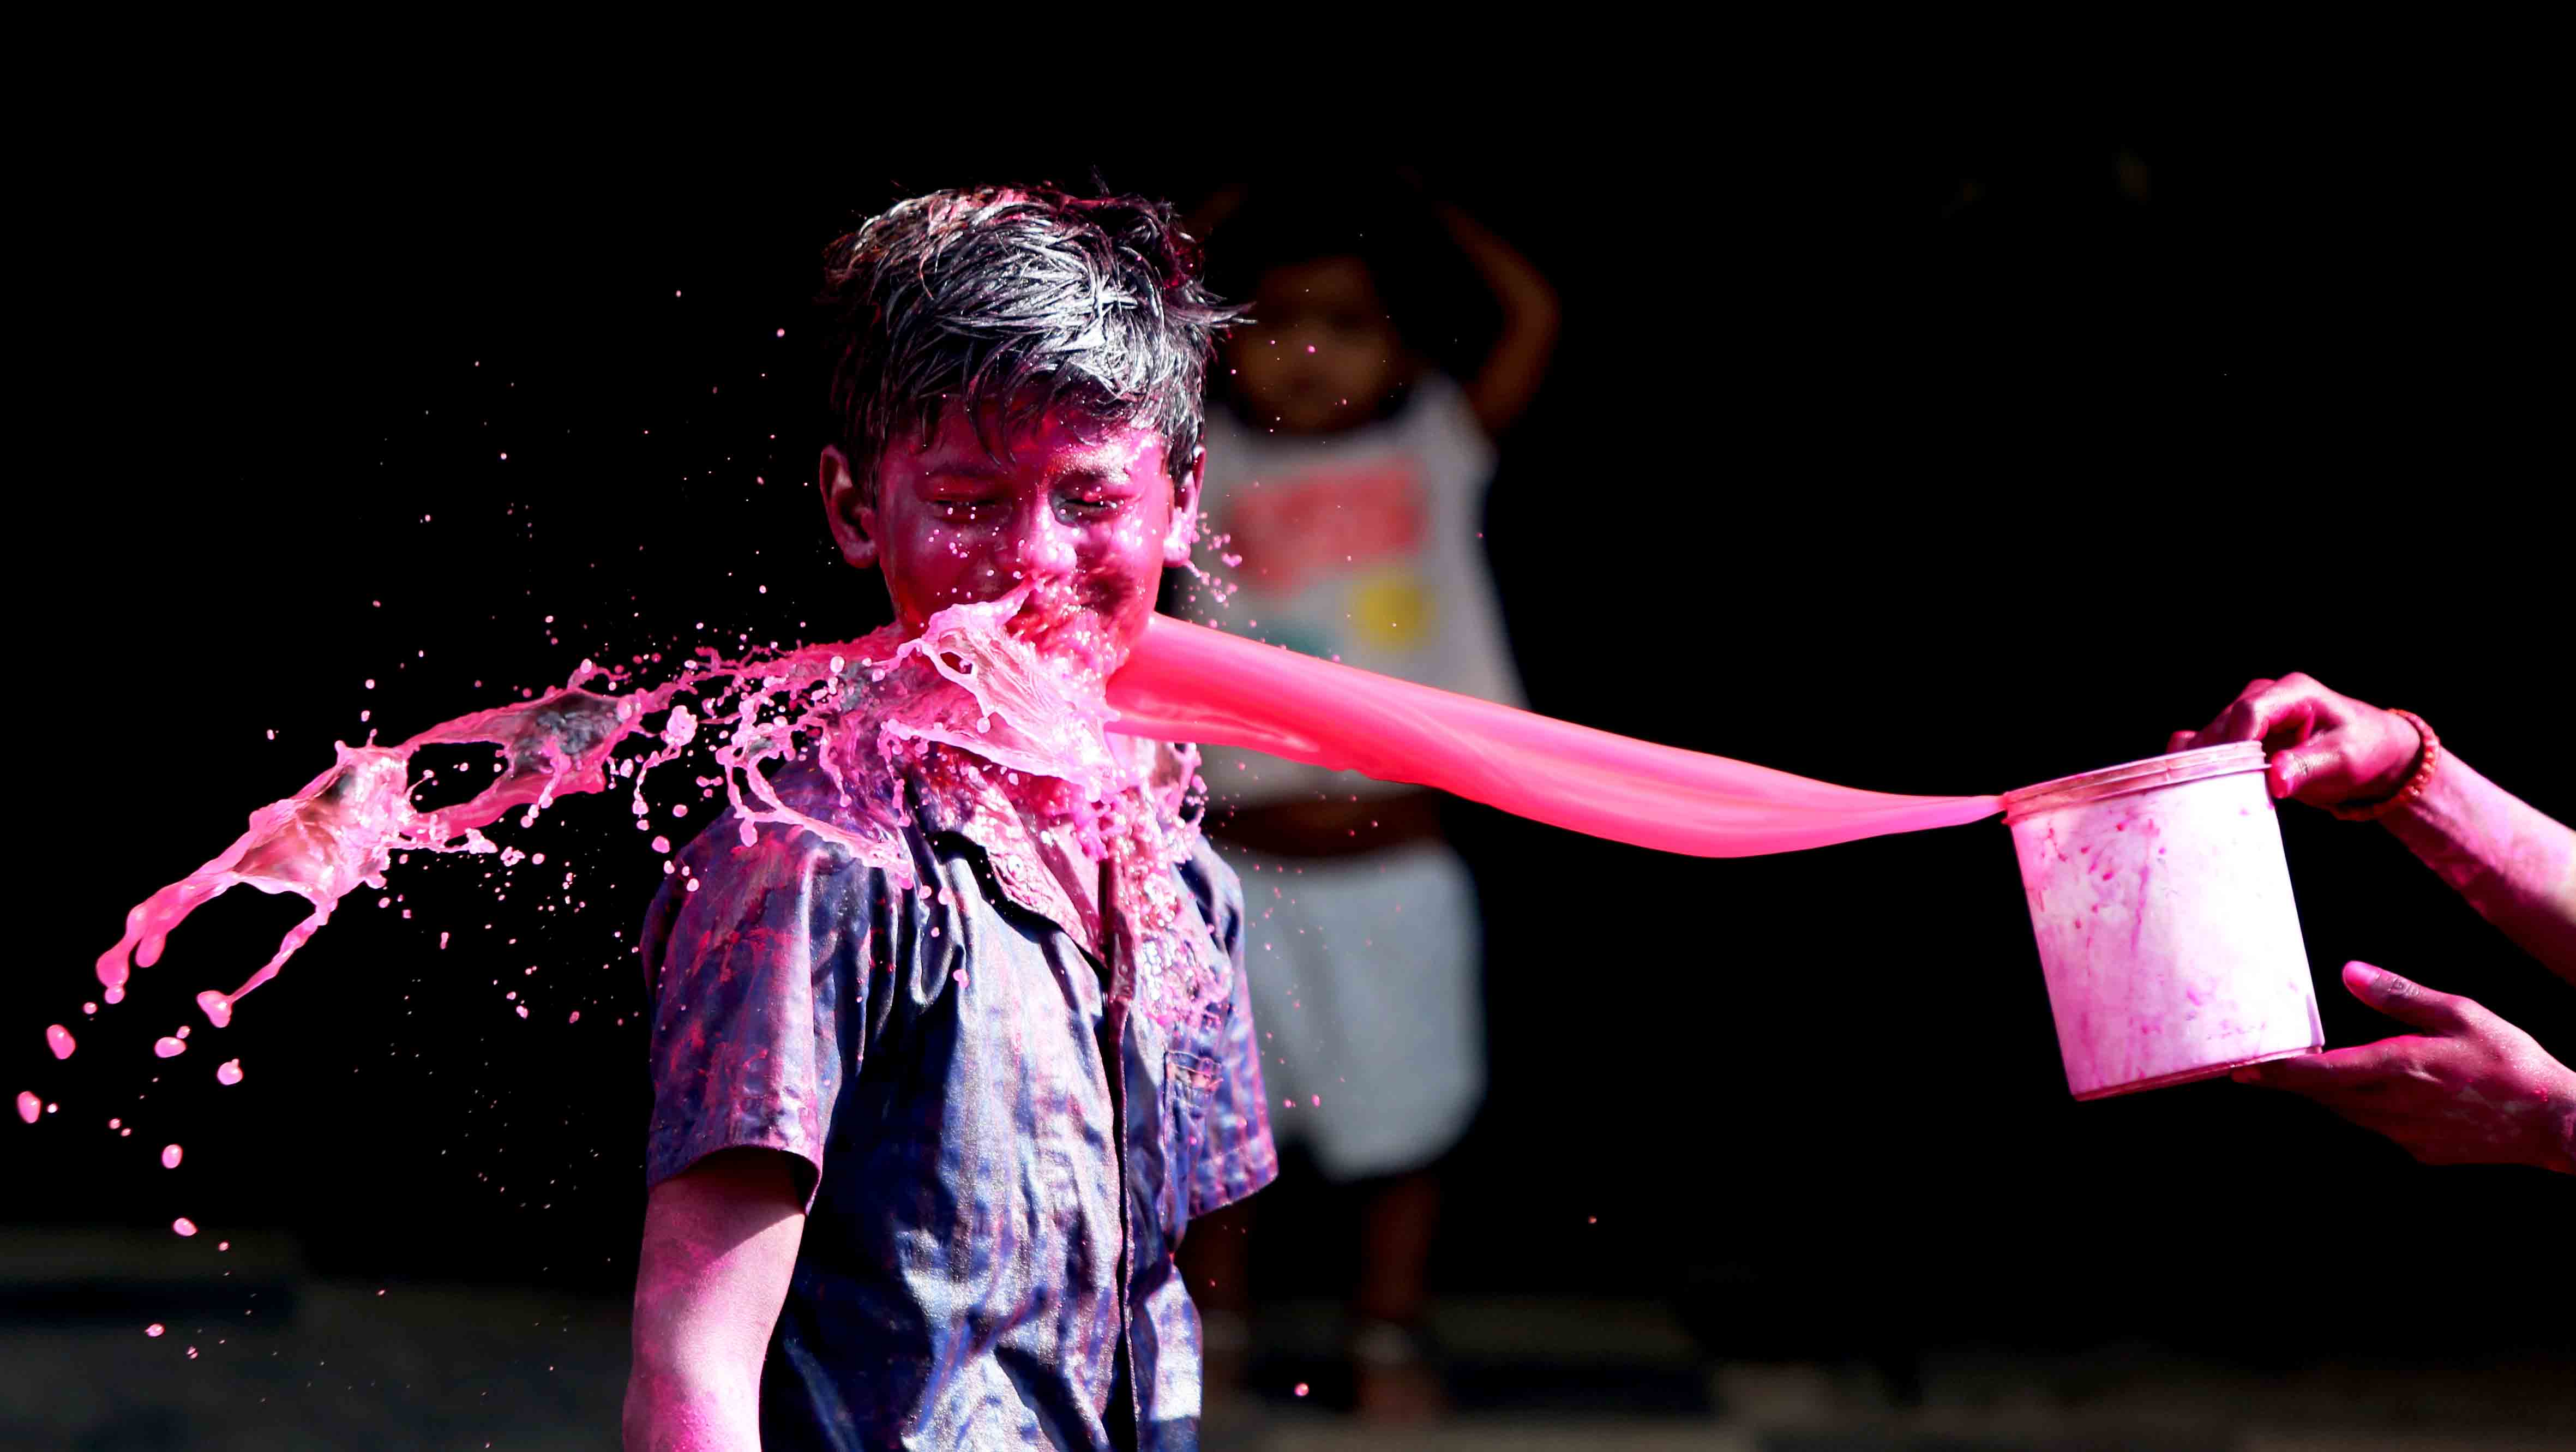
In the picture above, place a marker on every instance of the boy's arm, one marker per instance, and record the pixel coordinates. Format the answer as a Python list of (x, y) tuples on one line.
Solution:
[(720, 1242)]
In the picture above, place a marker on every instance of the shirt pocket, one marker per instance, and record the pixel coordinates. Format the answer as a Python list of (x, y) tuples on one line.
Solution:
[(1191, 1068)]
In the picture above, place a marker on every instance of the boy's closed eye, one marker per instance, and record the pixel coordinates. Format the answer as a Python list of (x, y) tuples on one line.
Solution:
[(1092, 503), (1088, 504)]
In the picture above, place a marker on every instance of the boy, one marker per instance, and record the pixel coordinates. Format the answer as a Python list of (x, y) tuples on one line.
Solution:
[(920, 1155)]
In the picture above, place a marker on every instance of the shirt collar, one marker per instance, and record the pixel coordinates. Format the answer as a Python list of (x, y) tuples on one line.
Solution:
[(983, 816)]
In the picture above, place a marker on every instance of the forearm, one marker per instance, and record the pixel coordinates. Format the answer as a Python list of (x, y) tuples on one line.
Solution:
[(675, 1408), (720, 1242), (2514, 864), (1510, 374), (1518, 287)]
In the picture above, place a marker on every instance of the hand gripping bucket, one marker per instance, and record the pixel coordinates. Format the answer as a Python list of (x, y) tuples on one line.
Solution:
[(2166, 927)]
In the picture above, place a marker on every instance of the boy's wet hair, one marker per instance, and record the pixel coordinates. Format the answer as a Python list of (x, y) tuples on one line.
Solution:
[(1011, 301)]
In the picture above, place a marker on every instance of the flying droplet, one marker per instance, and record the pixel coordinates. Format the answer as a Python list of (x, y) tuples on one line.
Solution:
[(59, 1039), (29, 1106), (228, 1072), (184, 1225), (168, 1047), (170, 1157)]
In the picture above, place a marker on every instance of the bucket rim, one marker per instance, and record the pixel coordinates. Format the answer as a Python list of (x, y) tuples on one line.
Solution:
[(2171, 769)]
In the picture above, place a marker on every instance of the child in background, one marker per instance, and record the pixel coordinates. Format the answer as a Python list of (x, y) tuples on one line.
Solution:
[(1348, 474)]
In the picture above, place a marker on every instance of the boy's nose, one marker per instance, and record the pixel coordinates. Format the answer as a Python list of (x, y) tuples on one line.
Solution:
[(1041, 546)]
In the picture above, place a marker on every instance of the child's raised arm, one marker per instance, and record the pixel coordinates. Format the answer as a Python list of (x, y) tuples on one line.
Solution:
[(1509, 377), (720, 1242)]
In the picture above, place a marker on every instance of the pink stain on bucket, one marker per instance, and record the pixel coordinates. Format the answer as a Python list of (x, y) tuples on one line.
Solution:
[(2167, 931)]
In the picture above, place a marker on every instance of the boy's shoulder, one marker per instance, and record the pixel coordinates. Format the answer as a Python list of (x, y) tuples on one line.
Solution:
[(830, 833)]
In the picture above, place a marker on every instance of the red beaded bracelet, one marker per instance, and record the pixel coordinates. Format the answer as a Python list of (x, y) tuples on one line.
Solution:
[(2414, 787)]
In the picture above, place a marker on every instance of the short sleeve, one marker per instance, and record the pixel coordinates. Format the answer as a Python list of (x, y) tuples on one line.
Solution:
[(1236, 1156), (1443, 429), (742, 973)]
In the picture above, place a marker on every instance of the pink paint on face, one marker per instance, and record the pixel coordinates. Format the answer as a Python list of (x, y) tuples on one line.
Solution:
[(1087, 516)]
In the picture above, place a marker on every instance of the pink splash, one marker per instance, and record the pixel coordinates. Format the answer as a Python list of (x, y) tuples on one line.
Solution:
[(170, 1157), (1000, 690), (155, 1329), (228, 1072), (168, 1047), (59, 1039), (969, 681), (184, 1225), (29, 1106)]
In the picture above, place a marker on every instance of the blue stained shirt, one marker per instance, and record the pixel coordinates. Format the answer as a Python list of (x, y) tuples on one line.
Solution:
[(1002, 1144)]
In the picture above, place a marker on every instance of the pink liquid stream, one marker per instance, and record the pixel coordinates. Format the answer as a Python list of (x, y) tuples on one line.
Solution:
[(1186, 682), (967, 683)]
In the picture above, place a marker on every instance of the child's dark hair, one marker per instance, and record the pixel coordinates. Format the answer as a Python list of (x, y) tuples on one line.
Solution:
[(1305, 216), (1020, 298)]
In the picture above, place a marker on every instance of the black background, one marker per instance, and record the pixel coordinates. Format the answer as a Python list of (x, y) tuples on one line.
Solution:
[(1832, 474)]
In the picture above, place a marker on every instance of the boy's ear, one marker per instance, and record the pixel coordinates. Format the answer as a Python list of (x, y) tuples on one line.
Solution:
[(850, 507), (1185, 511)]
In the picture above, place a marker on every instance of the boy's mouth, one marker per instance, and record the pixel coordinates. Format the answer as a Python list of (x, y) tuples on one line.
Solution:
[(1066, 622)]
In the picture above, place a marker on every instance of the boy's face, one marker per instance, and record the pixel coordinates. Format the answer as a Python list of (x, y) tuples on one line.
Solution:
[(1089, 514), (1321, 353)]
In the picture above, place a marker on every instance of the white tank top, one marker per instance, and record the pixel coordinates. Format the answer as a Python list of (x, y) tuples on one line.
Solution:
[(1363, 547)]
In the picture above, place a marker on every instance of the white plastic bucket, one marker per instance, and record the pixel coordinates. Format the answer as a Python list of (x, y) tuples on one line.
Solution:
[(2166, 927)]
